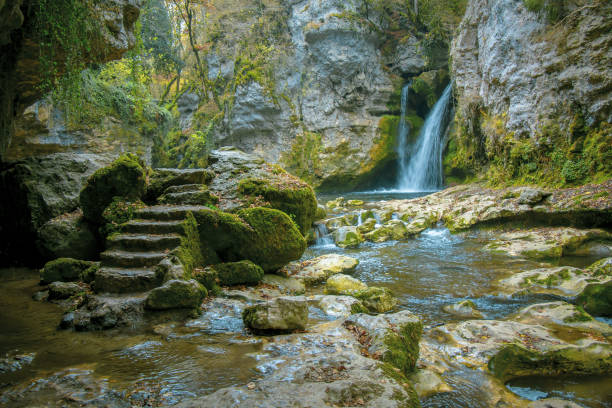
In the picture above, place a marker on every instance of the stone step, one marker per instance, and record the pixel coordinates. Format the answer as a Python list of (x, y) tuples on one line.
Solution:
[(144, 242), (185, 188), (168, 212), (177, 177), (201, 197), (127, 259), (153, 227), (125, 280)]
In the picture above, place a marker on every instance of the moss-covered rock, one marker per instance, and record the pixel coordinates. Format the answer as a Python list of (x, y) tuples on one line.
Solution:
[(321, 213), (239, 273), (288, 194), (265, 236), (68, 236), (347, 237), (64, 270), (380, 234), (403, 345), (162, 179), (596, 299), (124, 178), (465, 309), (367, 226), (89, 274), (517, 361), (377, 299), (343, 285), (207, 277), (280, 314), (176, 294)]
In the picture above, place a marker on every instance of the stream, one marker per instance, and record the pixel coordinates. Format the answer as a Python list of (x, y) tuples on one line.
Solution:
[(180, 360)]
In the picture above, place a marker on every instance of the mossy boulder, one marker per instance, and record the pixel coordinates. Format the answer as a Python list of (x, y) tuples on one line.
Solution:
[(321, 213), (239, 273), (515, 360), (377, 299), (281, 314), (285, 193), (64, 290), (162, 179), (465, 309), (124, 178), (265, 236), (341, 284), (208, 277), (347, 237), (176, 294), (596, 299), (68, 236), (367, 226), (63, 270)]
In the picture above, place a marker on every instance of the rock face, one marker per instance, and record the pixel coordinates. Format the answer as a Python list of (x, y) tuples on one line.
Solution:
[(323, 109), (36, 190), (507, 59), (20, 68)]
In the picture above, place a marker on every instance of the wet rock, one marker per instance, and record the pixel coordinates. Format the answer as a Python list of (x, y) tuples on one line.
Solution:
[(564, 280), (64, 290), (519, 361), (380, 234), (377, 300), (467, 206), (557, 314), (367, 226), (333, 224), (382, 216), (101, 312), (553, 243), (596, 299), (347, 237), (397, 228), (15, 362), (553, 403), (419, 224), (338, 306), (427, 382), (290, 286), (321, 213), (465, 309), (64, 270), (68, 236), (333, 204), (532, 196), (162, 179), (344, 285), (319, 269), (176, 294), (393, 338), (280, 314), (220, 315), (355, 203), (320, 368)]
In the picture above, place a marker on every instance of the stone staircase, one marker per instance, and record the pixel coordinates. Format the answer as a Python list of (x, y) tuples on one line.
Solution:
[(129, 267)]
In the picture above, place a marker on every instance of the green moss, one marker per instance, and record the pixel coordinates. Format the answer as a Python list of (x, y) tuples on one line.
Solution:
[(124, 178), (596, 299), (117, 213), (376, 299), (403, 346), (358, 307), (398, 376), (287, 194), (176, 294), (603, 267), (303, 160), (238, 273), (516, 361), (192, 252), (64, 270), (579, 316), (207, 277), (265, 236), (89, 274), (553, 10)]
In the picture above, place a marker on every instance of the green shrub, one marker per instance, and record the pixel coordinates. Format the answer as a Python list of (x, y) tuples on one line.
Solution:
[(574, 171)]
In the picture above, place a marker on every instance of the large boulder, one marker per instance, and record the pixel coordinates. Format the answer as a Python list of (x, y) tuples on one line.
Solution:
[(68, 236), (264, 236), (176, 294), (243, 180), (238, 273), (596, 299), (124, 178), (34, 191), (280, 314)]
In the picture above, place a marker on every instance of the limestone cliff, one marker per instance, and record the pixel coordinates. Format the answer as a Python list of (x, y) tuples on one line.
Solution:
[(533, 76), (20, 74), (325, 100)]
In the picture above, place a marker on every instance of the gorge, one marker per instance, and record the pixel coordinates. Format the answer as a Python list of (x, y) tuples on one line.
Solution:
[(306, 203)]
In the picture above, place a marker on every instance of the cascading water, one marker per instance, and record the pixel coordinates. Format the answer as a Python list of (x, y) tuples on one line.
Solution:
[(422, 169)]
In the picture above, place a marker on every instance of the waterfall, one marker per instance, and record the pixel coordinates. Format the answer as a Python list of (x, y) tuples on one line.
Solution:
[(422, 169), (322, 236)]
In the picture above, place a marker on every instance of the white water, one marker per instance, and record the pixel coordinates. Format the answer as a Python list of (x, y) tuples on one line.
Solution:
[(422, 169)]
